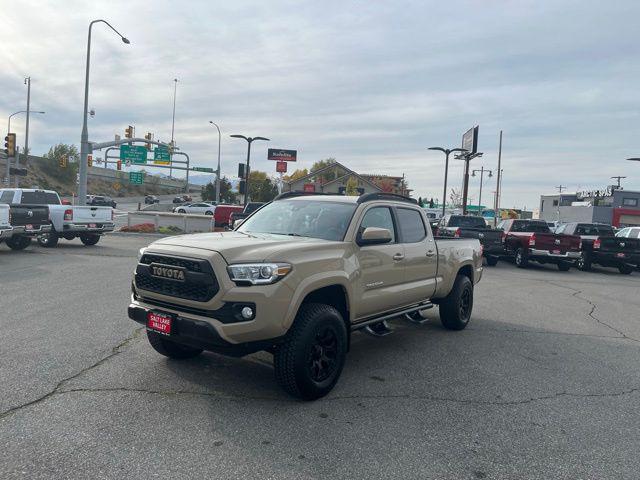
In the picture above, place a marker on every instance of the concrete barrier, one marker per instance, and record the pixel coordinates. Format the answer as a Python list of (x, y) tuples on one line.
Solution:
[(188, 223)]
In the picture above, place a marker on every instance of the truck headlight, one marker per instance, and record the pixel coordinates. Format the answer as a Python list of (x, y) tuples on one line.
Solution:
[(258, 273), (140, 253)]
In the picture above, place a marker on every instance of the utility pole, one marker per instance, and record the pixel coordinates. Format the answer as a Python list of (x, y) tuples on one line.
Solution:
[(560, 188), (482, 172), (496, 207), (173, 118), (27, 82), (618, 178)]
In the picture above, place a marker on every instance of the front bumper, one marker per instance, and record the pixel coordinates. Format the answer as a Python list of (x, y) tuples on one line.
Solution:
[(198, 333), (84, 227), (557, 256)]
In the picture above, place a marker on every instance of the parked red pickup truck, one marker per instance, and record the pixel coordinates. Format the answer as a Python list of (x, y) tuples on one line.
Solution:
[(531, 240)]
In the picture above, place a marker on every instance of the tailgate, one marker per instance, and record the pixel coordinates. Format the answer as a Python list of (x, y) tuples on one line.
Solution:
[(486, 236), (22, 215), (83, 214), (629, 246), (4, 216), (554, 242)]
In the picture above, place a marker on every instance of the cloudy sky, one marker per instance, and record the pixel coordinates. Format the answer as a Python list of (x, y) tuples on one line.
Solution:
[(372, 84)]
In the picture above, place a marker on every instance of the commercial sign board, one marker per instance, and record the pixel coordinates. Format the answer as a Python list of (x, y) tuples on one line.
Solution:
[(136, 154), (470, 140), (281, 155), (281, 167), (309, 187)]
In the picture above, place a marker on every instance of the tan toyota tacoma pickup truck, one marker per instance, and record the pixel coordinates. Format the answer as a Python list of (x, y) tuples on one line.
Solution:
[(297, 278)]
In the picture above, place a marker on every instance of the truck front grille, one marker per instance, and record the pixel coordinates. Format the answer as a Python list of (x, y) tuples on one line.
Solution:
[(200, 283)]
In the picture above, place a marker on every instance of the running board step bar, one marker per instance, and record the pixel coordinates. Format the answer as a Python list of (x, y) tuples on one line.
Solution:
[(389, 316), (380, 329)]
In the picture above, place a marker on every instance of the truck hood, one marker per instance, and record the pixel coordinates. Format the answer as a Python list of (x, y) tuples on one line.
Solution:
[(240, 247)]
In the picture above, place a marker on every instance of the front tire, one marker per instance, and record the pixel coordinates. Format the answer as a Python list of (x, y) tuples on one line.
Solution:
[(455, 309), (492, 260), (182, 210), (521, 258), (208, 213), (309, 362), (171, 349), (89, 239), (18, 242), (48, 240)]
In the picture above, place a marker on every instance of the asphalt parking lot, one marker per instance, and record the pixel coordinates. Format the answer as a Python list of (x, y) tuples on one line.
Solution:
[(544, 383)]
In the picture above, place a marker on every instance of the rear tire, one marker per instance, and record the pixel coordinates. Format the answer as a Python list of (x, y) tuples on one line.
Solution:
[(309, 362), (584, 262), (456, 308), (492, 260), (171, 349), (89, 239), (521, 258), (48, 240), (182, 210), (625, 269), (564, 266), (18, 242), (208, 212)]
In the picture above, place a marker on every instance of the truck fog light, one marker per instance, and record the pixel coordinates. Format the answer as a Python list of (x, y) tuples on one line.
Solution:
[(247, 313)]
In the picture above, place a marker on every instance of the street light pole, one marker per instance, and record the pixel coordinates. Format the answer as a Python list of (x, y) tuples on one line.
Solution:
[(173, 118), (249, 141), (447, 152), (218, 169), (25, 153), (473, 174), (84, 137), (9, 131)]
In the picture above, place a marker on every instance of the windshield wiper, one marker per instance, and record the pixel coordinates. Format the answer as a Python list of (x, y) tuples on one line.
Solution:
[(289, 234)]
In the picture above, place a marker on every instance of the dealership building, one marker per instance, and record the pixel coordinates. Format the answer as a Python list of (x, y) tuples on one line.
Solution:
[(615, 207)]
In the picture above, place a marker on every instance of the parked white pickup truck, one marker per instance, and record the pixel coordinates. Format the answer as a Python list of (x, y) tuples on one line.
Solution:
[(68, 222)]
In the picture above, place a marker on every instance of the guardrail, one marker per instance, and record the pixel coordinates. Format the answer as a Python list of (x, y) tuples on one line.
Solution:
[(188, 223)]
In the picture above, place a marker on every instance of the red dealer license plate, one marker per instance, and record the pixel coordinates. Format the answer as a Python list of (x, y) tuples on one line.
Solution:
[(92, 225), (556, 252), (159, 322), (620, 255), (29, 226)]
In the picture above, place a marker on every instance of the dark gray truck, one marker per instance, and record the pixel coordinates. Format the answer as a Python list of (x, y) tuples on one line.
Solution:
[(469, 226), (600, 246), (20, 223)]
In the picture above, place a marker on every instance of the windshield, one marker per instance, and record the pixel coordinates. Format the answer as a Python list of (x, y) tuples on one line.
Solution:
[(466, 222), (316, 219)]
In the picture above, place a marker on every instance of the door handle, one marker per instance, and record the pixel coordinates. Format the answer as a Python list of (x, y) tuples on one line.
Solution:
[(398, 256), (430, 253)]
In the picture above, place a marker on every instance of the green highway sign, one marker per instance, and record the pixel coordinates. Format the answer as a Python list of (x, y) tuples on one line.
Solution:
[(136, 154), (136, 178), (161, 156), (203, 169)]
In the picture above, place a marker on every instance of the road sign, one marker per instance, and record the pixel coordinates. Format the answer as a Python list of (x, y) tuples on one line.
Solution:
[(282, 155), (202, 169), (161, 156), (117, 186), (136, 178), (281, 167), (470, 140), (309, 187), (136, 154)]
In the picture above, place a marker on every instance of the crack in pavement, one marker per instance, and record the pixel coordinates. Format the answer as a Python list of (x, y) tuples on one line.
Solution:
[(432, 398), (114, 351), (576, 294)]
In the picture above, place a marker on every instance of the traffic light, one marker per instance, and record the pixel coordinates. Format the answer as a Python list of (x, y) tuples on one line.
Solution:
[(119, 165), (148, 136), (128, 133), (63, 162), (10, 145), (242, 187), (241, 170), (89, 160)]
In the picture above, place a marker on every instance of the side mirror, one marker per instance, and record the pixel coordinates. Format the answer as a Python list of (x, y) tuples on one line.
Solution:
[(374, 236)]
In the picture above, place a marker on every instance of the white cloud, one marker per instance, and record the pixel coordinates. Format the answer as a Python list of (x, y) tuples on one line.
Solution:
[(372, 84)]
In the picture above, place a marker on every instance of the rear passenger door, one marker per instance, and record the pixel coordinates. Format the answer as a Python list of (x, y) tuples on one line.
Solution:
[(420, 256)]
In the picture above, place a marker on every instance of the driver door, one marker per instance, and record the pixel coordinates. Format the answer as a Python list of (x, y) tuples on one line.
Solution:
[(381, 267)]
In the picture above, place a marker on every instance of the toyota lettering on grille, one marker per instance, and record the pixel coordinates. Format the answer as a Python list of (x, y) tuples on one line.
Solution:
[(168, 273)]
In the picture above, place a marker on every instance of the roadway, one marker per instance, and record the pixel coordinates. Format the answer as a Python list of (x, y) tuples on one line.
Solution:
[(544, 383)]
